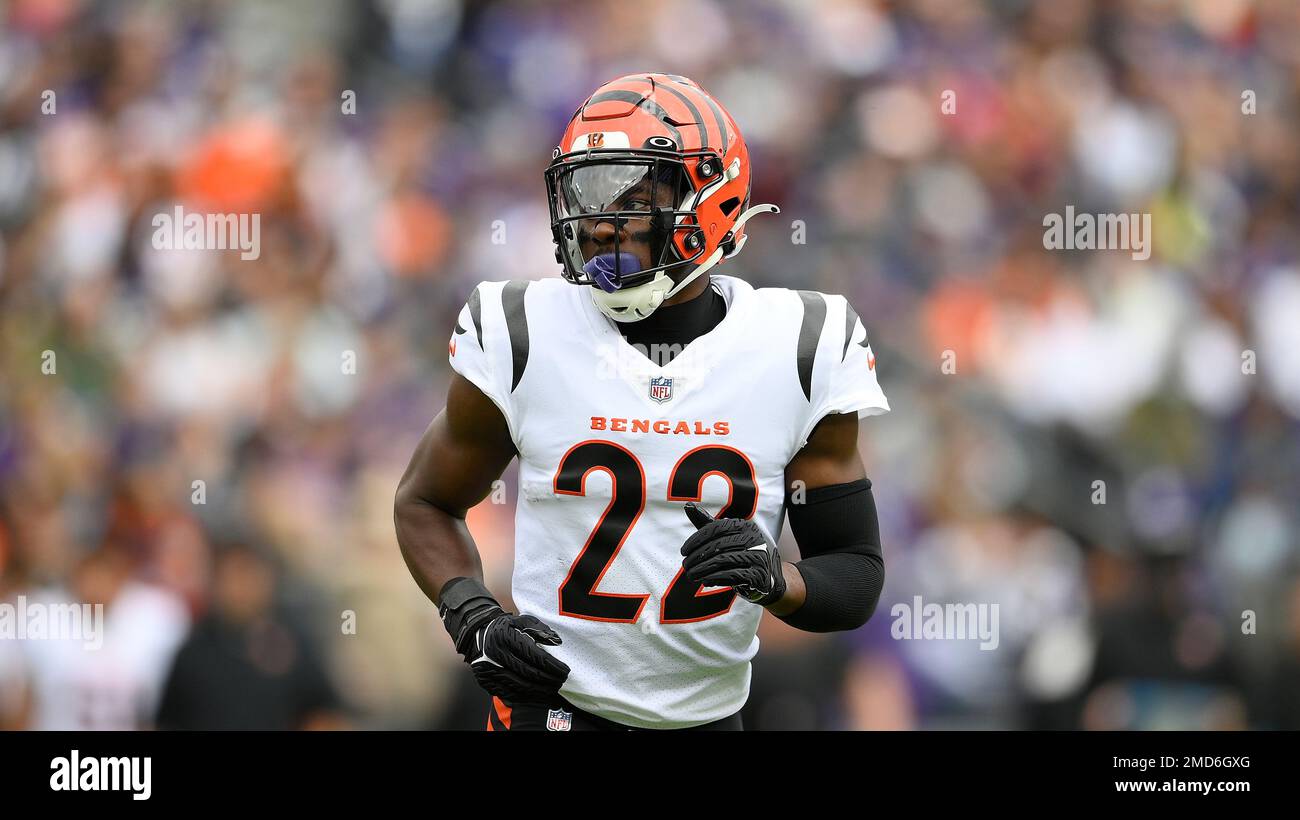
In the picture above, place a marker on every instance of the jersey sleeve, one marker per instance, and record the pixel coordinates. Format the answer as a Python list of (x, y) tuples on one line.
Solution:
[(846, 380), (473, 349)]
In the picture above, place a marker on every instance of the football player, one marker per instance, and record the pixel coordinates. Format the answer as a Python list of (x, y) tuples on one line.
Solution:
[(666, 420)]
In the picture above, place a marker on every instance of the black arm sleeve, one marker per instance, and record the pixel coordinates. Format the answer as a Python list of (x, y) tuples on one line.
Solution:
[(843, 568)]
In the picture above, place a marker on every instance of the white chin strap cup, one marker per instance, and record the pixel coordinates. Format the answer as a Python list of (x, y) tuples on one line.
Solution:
[(634, 304)]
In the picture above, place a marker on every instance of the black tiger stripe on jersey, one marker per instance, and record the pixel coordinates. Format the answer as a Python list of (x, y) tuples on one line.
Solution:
[(810, 333), (475, 316), (512, 304), (850, 322)]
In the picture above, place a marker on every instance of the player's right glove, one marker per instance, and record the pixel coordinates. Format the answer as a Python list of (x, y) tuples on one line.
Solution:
[(502, 648)]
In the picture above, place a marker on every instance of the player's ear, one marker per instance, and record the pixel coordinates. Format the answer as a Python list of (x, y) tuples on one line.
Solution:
[(699, 517)]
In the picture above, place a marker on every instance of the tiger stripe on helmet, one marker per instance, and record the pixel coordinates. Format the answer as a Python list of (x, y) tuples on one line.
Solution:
[(689, 115), (641, 101), (691, 97), (718, 118), (678, 93)]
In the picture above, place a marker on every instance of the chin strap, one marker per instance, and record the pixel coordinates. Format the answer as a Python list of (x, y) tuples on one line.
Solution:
[(718, 255), (700, 269), (745, 217)]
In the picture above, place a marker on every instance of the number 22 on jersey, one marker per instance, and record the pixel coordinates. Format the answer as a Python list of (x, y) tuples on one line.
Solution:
[(683, 602)]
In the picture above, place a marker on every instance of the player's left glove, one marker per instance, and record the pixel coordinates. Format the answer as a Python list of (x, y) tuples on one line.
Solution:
[(733, 552)]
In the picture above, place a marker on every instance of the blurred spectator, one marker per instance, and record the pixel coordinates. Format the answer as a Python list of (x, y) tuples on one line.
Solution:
[(245, 665), (71, 684)]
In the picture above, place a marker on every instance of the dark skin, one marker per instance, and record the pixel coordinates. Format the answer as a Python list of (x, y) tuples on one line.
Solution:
[(468, 446)]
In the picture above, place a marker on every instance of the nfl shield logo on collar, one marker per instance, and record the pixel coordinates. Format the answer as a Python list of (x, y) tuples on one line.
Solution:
[(558, 720), (661, 388)]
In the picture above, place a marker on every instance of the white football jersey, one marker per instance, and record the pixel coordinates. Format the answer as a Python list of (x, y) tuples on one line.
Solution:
[(611, 446)]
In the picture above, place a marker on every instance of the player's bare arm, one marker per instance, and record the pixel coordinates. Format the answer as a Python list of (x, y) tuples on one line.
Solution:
[(465, 449)]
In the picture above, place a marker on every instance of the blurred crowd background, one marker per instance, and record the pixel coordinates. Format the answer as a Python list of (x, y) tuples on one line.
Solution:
[(1173, 381)]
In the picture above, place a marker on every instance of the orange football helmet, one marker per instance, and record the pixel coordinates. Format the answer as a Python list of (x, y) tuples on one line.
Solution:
[(655, 152)]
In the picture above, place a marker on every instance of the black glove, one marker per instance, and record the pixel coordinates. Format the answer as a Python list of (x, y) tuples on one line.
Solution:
[(733, 552), (501, 647)]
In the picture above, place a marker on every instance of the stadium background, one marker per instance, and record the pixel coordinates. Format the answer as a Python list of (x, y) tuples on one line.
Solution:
[(1071, 367)]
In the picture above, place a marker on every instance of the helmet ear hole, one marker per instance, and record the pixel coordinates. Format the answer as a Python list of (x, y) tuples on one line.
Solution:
[(729, 206)]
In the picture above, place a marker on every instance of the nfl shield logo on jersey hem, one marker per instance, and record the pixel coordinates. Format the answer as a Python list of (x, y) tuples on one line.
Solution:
[(558, 720)]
